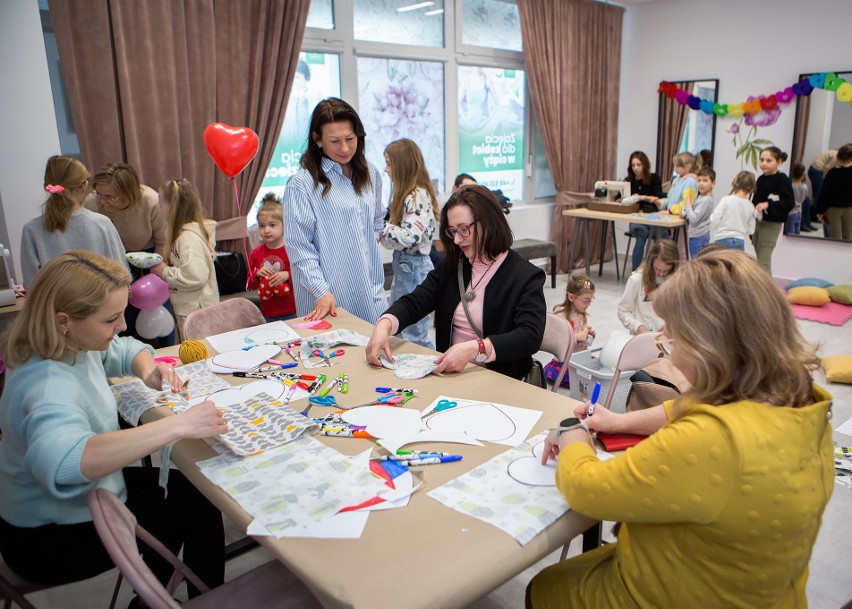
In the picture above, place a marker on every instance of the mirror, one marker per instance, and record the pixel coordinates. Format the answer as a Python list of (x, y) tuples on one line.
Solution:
[(822, 123), (681, 129)]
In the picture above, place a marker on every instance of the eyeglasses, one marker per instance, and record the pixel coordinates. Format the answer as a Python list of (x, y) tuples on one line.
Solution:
[(664, 344), (586, 301), (462, 229), (108, 198)]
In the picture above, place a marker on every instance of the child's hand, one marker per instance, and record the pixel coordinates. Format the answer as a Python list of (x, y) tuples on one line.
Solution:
[(761, 207), (158, 269), (581, 337), (278, 278), (264, 271), (591, 331)]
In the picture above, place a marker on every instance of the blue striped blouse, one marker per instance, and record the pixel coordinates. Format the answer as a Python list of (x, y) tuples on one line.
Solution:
[(332, 242)]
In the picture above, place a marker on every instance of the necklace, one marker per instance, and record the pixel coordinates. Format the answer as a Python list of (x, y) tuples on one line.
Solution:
[(471, 293)]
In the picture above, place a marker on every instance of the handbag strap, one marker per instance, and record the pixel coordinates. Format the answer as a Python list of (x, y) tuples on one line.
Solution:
[(460, 276)]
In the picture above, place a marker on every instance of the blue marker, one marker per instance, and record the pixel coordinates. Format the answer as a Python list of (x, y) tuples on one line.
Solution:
[(431, 460), (596, 392), (278, 367)]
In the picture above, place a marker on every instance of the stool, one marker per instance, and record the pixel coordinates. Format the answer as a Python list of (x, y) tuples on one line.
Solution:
[(529, 249)]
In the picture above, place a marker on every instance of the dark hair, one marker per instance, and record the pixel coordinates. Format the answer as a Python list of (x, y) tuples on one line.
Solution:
[(334, 110), (775, 151), (303, 69), (844, 153), (493, 235), (744, 181), (707, 172), (646, 167), (797, 171), (706, 158), (462, 177)]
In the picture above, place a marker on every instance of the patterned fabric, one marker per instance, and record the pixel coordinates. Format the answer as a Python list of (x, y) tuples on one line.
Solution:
[(332, 242)]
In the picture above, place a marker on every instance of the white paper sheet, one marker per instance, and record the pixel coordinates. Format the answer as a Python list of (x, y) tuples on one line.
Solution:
[(237, 339), (456, 437), (385, 421), (486, 421), (845, 428), (239, 360)]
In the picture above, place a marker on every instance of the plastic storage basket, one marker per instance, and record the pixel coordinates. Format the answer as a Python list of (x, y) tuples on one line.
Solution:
[(584, 370)]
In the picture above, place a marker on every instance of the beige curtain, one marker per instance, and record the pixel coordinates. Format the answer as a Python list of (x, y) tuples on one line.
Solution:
[(572, 50), (800, 133), (670, 129), (144, 79)]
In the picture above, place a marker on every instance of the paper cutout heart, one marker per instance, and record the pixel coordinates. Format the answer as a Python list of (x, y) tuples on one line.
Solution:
[(315, 324), (237, 395), (385, 421), (231, 148), (241, 361), (143, 260), (482, 421), (266, 291), (267, 335), (530, 471)]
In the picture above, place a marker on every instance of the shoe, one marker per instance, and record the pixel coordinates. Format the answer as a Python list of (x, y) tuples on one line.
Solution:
[(809, 229)]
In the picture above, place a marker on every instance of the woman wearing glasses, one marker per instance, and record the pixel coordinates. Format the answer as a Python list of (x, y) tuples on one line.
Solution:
[(636, 308), (65, 224), (502, 324), (721, 505)]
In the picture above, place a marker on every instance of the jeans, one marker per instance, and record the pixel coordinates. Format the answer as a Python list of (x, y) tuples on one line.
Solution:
[(641, 232), (409, 271), (794, 224), (696, 243), (732, 243)]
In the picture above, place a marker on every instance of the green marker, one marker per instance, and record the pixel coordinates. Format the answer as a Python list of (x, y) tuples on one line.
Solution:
[(344, 386)]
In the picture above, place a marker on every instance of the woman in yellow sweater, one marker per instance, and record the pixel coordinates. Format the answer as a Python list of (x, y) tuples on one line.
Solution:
[(722, 504)]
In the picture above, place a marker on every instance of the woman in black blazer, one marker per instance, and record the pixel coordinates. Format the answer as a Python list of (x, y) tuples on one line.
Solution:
[(504, 294)]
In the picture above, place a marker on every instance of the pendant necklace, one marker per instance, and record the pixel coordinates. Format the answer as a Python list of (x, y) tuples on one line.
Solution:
[(471, 293)]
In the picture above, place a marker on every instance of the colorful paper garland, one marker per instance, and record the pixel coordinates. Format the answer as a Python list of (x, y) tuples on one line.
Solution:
[(828, 81)]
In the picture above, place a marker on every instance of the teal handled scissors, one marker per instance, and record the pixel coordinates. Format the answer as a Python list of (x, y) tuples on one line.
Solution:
[(445, 405), (326, 400)]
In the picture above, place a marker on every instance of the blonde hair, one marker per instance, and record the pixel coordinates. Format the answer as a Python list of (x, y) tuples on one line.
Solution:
[(71, 175), (408, 173), (577, 284), (184, 208), (75, 283), (743, 181), (664, 250), (271, 205), (123, 178), (688, 160), (733, 326)]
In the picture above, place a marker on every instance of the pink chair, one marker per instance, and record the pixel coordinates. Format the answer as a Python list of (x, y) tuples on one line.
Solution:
[(270, 585), (559, 341), (635, 355), (231, 314)]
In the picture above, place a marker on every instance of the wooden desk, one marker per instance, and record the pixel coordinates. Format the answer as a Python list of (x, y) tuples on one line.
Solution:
[(583, 215), (11, 311), (424, 555)]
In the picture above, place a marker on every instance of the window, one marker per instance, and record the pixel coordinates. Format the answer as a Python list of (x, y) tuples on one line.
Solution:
[(491, 127), (401, 98), (400, 22), (494, 24), (544, 186), (321, 15)]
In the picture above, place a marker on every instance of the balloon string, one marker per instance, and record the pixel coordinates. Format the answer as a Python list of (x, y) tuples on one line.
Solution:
[(245, 235)]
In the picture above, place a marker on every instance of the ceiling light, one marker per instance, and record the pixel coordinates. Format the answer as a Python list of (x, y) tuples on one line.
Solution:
[(434, 11), (413, 7)]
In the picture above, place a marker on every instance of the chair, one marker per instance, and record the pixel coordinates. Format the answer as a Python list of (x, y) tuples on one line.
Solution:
[(270, 585), (558, 341), (231, 314), (13, 588), (635, 355)]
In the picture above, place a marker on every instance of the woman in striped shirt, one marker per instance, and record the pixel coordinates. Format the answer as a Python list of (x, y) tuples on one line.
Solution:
[(333, 214)]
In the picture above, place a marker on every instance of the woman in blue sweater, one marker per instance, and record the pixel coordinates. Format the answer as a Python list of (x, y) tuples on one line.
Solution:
[(61, 437)]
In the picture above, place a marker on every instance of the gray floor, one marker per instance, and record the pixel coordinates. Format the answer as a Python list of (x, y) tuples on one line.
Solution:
[(830, 583)]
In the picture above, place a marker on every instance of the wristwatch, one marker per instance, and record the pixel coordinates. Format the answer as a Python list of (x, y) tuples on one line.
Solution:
[(482, 355), (569, 424)]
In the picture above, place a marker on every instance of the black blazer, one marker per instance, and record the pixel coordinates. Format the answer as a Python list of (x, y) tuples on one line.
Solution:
[(513, 313)]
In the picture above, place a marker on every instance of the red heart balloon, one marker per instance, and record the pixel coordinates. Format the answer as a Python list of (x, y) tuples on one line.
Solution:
[(232, 148)]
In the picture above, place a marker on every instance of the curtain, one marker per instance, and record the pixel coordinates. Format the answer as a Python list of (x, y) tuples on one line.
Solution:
[(572, 51), (800, 132), (144, 79), (670, 129)]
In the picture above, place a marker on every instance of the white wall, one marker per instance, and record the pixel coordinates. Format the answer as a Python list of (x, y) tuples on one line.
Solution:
[(27, 120), (754, 48)]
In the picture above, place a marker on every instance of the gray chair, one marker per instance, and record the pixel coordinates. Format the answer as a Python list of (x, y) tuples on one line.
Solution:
[(269, 585)]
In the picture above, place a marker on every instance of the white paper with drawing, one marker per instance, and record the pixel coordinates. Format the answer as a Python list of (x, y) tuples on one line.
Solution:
[(237, 339), (486, 421), (239, 360)]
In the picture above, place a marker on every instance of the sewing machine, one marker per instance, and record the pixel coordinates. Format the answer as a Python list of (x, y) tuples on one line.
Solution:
[(608, 191)]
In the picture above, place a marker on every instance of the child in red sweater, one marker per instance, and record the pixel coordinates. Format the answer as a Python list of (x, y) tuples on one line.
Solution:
[(269, 267)]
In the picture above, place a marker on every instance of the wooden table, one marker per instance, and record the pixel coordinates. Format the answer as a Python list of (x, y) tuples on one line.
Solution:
[(583, 215), (11, 311), (423, 555)]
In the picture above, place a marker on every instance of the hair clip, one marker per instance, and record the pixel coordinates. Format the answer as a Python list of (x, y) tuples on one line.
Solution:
[(54, 189), (587, 285)]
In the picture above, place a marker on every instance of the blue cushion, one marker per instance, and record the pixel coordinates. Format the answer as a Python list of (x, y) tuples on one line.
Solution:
[(808, 281)]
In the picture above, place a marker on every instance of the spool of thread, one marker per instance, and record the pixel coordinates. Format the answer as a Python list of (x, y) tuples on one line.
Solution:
[(192, 351)]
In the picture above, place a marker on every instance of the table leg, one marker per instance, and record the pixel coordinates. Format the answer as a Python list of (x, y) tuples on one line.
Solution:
[(602, 248), (573, 255), (592, 537), (586, 246), (553, 272), (615, 252)]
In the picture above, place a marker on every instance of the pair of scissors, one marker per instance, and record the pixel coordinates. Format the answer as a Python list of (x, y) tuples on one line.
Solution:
[(387, 400), (445, 405), (321, 354), (326, 400)]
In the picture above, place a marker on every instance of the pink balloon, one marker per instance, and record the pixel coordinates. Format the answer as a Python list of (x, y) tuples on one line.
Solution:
[(149, 291)]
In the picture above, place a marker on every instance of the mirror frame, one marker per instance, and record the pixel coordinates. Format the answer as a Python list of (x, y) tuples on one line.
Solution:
[(796, 122), (666, 103)]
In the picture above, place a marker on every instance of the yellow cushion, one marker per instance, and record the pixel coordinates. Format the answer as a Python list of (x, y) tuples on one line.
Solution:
[(815, 297), (838, 368), (841, 294)]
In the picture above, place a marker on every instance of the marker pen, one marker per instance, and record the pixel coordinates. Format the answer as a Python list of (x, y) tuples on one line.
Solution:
[(395, 389), (596, 392), (431, 460)]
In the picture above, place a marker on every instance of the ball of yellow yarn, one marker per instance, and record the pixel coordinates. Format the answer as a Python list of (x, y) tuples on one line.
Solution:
[(192, 351)]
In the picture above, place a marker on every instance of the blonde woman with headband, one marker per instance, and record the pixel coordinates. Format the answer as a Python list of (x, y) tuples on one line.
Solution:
[(190, 249), (61, 437), (64, 224), (722, 504)]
